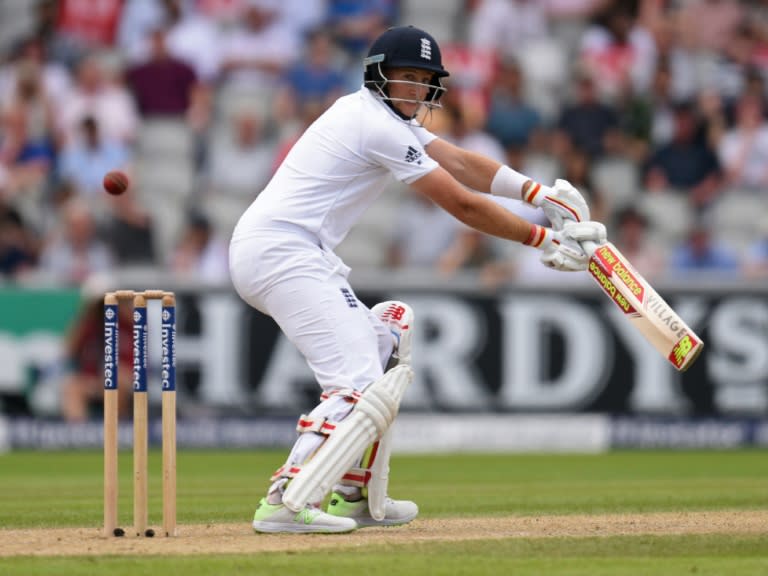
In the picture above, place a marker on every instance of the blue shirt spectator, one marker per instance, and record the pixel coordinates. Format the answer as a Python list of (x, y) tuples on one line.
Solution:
[(687, 163), (701, 253), (510, 119), (587, 123), (315, 77), (356, 23), (85, 162)]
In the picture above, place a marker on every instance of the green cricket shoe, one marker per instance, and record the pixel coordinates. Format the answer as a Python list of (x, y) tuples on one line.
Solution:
[(277, 518), (397, 512)]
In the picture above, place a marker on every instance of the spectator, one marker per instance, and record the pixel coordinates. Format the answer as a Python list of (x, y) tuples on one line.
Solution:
[(314, 78), (258, 51), (633, 239), (83, 384), (241, 163), (577, 169), (743, 150), (303, 15), (588, 123), (88, 25), (201, 254), (55, 79), (62, 48), (686, 164), (193, 39), (708, 26), (647, 118), (86, 160), (18, 244), (700, 252), (355, 23), (506, 27), (464, 128), (511, 120), (128, 231), (137, 21), (162, 85), (619, 54), (98, 96), (31, 111), (75, 251)]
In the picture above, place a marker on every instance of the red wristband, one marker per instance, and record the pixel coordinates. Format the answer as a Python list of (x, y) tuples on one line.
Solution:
[(536, 237), (531, 191)]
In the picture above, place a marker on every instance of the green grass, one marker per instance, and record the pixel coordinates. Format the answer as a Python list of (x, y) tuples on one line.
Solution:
[(617, 556), (65, 489)]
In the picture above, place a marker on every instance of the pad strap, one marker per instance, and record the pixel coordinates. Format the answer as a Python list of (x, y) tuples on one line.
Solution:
[(356, 477), (351, 396), (285, 471), (361, 476), (318, 426)]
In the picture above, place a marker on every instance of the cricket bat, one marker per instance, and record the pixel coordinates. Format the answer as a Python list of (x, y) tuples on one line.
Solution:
[(646, 310)]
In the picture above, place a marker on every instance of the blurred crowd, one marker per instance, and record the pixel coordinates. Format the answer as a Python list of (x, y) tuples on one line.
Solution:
[(654, 109)]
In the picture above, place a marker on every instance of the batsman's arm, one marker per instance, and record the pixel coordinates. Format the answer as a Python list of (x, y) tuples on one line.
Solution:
[(560, 203), (474, 210)]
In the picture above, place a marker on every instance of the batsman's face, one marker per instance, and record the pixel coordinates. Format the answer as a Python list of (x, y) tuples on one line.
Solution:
[(408, 88)]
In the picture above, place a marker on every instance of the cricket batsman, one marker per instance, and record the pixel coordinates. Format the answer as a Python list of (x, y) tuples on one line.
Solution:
[(282, 263)]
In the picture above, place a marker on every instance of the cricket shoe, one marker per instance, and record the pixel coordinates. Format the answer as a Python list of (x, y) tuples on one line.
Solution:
[(277, 518), (397, 512), (398, 318)]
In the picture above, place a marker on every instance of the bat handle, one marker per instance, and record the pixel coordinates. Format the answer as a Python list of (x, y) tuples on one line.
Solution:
[(589, 247)]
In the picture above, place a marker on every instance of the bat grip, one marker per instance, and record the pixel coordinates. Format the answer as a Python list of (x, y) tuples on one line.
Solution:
[(589, 247)]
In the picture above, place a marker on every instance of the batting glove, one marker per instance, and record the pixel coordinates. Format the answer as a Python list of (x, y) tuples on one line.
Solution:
[(561, 203), (562, 249)]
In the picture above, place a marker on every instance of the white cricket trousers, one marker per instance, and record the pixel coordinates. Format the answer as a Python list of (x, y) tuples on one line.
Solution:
[(285, 274)]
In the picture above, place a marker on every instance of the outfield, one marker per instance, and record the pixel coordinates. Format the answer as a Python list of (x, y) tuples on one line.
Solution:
[(617, 513)]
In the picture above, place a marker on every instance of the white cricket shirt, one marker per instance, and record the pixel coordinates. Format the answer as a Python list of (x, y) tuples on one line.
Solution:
[(338, 168)]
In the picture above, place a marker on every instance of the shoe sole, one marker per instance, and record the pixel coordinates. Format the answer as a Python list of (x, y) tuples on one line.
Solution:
[(386, 523), (275, 528)]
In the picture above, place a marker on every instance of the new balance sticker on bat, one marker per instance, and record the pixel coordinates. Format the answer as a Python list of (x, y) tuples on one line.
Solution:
[(613, 265), (413, 155), (686, 345)]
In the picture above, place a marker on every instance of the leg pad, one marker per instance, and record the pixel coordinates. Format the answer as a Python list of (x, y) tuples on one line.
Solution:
[(370, 419)]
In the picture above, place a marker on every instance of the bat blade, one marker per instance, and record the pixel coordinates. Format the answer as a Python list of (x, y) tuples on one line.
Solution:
[(643, 306)]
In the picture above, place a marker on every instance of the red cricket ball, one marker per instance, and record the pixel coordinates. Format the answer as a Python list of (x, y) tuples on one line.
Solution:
[(116, 182)]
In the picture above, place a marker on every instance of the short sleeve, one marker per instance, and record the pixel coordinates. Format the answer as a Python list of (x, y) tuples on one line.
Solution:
[(397, 147)]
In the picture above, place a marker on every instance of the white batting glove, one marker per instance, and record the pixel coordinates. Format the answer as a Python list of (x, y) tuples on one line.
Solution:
[(561, 203), (590, 231), (562, 249)]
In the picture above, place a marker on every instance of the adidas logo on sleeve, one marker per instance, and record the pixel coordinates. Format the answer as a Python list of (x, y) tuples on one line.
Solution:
[(413, 155)]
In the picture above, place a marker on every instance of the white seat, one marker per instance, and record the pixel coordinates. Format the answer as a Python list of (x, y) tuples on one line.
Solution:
[(165, 139), (169, 217), (618, 179), (669, 214), (224, 210), (736, 216), (545, 68), (543, 168), (232, 100), (158, 177), (439, 17)]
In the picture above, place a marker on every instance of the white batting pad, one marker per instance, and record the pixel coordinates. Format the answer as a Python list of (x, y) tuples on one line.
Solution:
[(377, 485), (373, 414)]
